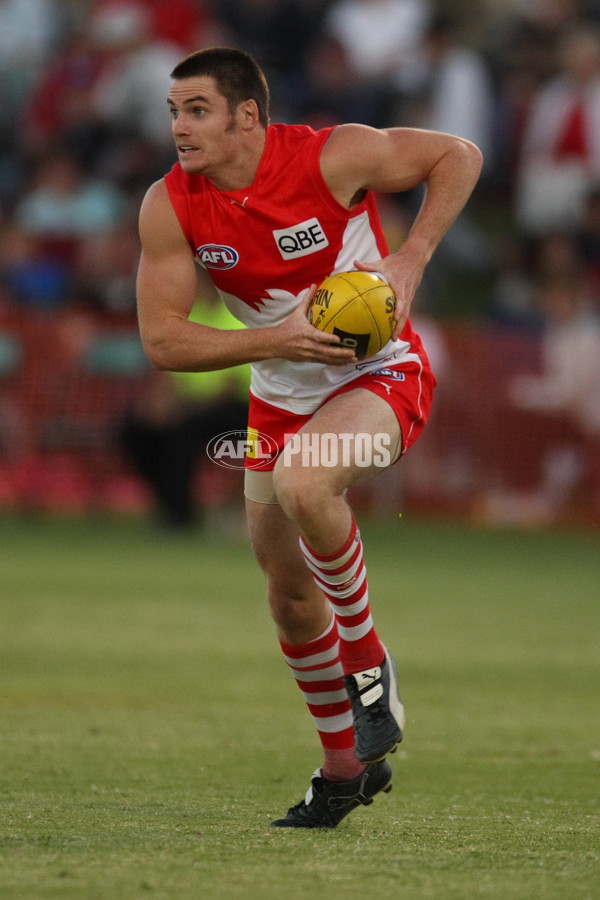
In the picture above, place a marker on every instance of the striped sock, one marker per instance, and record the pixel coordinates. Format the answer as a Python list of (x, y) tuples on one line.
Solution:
[(342, 576), (319, 675)]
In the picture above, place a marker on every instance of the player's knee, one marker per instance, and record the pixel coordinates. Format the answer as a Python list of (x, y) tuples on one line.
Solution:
[(296, 608), (300, 491)]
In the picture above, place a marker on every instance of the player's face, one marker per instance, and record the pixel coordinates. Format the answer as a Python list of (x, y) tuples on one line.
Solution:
[(205, 132)]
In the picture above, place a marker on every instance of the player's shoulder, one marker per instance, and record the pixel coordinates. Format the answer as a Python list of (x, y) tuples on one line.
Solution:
[(345, 143), (175, 183), (349, 134), (158, 221), (156, 197), (283, 137), (347, 158)]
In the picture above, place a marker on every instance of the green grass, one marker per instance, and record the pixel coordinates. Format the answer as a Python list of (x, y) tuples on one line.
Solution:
[(149, 731)]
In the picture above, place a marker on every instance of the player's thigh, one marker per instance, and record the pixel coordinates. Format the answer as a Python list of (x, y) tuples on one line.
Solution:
[(352, 437)]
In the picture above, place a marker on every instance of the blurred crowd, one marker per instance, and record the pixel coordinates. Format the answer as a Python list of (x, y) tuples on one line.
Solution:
[(84, 131)]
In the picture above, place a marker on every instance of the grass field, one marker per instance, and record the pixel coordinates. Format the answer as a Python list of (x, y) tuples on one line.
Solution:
[(150, 732)]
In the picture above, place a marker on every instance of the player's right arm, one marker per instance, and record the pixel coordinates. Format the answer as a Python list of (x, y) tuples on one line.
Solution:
[(168, 283)]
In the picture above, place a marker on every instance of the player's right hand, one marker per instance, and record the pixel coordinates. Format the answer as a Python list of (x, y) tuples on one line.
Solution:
[(299, 341)]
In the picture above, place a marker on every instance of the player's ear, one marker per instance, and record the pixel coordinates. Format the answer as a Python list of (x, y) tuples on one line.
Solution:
[(248, 113)]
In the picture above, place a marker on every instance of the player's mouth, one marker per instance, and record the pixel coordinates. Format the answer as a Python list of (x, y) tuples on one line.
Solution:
[(186, 149)]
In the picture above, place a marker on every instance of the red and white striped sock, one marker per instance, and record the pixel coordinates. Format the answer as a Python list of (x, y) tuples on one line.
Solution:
[(318, 672), (342, 576)]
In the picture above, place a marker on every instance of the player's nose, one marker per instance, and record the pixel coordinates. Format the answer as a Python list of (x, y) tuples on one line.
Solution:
[(180, 125)]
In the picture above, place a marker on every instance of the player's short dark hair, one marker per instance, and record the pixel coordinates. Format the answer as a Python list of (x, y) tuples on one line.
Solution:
[(237, 74)]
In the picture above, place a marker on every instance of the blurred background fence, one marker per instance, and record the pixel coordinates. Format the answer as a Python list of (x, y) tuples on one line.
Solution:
[(65, 391), (510, 306)]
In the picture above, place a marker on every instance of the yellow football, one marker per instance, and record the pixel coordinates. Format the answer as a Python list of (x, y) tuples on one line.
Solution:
[(357, 306)]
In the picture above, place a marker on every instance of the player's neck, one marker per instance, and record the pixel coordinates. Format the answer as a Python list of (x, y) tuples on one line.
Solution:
[(241, 172)]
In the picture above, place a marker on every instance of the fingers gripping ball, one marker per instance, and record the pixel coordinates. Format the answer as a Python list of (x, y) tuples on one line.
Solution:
[(357, 306)]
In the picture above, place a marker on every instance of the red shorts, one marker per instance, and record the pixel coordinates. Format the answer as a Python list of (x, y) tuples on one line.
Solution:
[(407, 387)]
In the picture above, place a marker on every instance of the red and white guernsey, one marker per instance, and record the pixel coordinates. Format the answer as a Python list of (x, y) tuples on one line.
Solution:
[(264, 246)]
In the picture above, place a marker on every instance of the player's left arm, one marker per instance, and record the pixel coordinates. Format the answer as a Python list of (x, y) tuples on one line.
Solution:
[(357, 158)]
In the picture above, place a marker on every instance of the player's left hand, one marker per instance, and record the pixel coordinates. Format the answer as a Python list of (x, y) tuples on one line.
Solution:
[(404, 275)]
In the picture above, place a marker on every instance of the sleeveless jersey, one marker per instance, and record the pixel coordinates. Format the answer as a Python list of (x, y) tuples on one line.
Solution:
[(263, 246)]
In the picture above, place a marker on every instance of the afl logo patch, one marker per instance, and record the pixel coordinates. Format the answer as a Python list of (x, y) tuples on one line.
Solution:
[(217, 256)]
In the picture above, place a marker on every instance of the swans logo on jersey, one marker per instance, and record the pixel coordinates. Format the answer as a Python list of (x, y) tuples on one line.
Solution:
[(217, 256), (301, 239)]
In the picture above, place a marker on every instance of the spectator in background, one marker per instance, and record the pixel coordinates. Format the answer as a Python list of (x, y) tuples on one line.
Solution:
[(166, 434), (512, 298), (128, 95), (525, 38), (29, 31), (33, 277), (520, 43), (60, 109), (554, 420), (104, 270), (560, 152), (457, 95), (523, 266), (588, 242), (61, 205), (278, 34), (182, 23), (384, 43), (569, 383), (332, 94)]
